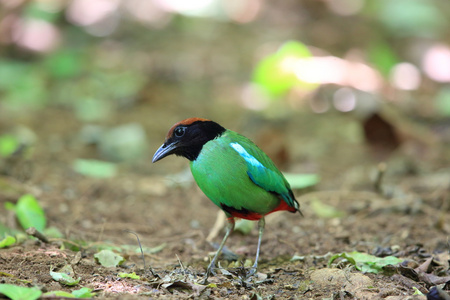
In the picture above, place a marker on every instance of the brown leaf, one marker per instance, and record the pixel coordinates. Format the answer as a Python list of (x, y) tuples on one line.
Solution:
[(197, 289), (381, 136)]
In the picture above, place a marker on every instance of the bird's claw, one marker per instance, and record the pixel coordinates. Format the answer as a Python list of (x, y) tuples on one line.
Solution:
[(251, 272), (210, 271), (205, 281)]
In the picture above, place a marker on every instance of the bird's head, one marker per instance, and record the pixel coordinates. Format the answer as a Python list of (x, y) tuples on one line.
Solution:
[(186, 138)]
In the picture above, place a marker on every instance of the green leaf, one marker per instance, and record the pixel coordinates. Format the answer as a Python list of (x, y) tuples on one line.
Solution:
[(11, 72), (95, 168), (53, 232), (64, 64), (301, 181), (325, 211), (36, 10), (382, 56), (135, 249), (83, 293), (62, 294), (8, 145), (244, 226), (276, 72), (365, 262), (152, 250), (29, 90), (92, 109), (65, 279), (30, 213), (417, 291), (126, 142), (116, 248), (442, 102), (129, 275), (10, 206), (6, 231), (15, 292), (411, 17), (7, 241), (65, 276), (107, 258)]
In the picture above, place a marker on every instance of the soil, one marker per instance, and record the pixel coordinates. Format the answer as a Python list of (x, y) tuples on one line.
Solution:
[(406, 215)]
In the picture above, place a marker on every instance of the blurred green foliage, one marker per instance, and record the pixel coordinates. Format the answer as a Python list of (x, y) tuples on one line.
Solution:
[(16, 292), (411, 18), (275, 73), (207, 56), (443, 102), (7, 241), (63, 64), (95, 168), (301, 181), (80, 293), (325, 211), (36, 10), (58, 79), (94, 80), (22, 84), (381, 55), (8, 145)]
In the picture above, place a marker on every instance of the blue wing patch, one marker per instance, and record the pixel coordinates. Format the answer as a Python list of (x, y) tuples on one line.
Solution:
[(248, 158), (264, 177)]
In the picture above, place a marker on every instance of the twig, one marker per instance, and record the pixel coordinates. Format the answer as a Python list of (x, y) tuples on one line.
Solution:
[(142, 251), (37, 234), (181, 264)]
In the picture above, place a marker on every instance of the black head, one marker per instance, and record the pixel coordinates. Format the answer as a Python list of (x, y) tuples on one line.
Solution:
[(186, 138)]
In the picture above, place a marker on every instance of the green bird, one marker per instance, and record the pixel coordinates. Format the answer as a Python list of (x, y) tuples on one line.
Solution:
[(233, 172)]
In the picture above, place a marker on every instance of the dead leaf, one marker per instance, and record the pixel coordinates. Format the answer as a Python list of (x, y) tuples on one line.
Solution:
[(197, 289), (354, 283), (381, 136), (76, 259)]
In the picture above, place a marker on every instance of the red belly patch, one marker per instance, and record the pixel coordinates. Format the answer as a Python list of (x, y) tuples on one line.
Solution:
[(244, 213)]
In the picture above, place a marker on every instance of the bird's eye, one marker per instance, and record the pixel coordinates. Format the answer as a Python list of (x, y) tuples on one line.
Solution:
[(179, 132)]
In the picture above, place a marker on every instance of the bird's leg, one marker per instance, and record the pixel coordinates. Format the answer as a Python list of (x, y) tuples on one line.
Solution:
[(261, 224), (212, 265)]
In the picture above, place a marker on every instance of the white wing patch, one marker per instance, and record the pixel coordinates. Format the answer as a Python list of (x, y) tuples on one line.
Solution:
[(248, 158)]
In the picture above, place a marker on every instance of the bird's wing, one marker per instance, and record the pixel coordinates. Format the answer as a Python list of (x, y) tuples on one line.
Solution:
[(263, 172)]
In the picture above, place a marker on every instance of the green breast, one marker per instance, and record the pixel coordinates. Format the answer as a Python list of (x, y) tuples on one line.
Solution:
[(221, 173)]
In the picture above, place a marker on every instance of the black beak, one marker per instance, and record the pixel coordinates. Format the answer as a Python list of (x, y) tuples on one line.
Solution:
[(164, 151)]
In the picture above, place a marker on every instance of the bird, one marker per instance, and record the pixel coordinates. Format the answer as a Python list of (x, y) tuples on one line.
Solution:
[(233, 172)]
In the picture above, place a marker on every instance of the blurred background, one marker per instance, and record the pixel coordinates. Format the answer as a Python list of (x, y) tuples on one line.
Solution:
[(355, 93), (320, 85)]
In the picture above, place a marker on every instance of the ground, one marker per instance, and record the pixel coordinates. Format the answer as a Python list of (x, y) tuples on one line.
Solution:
[(405, 216)]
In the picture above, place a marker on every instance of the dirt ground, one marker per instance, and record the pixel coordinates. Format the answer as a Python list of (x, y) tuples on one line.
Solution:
[(406, 217)]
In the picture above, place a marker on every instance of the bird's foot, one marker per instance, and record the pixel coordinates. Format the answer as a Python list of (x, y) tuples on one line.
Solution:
[(205, 281), (251, 272), (210, 271)]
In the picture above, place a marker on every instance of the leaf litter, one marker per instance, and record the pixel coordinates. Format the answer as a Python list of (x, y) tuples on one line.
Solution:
[(406, 221)]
